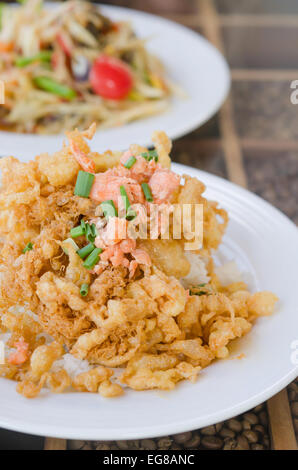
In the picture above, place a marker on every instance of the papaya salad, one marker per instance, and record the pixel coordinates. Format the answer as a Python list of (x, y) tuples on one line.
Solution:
[(68, 66), (86, 306)]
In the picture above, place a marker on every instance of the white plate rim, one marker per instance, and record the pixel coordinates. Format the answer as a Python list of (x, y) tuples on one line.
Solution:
[(243, 195)]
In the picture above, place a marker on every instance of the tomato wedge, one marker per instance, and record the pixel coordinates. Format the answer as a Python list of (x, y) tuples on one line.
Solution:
[(110, 78)]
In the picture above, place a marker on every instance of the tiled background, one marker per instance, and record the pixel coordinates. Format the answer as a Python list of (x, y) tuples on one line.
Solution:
[(253, 141)]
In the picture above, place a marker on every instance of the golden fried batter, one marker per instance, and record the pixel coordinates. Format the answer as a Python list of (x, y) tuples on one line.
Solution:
[(135, 314)]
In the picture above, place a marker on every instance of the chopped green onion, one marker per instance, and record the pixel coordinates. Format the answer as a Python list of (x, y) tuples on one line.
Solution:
[(67, 242), (44, 56), (83, 225), (84, 290), (94, 230), (50, 85), (86, 250), (124, 198), (77, 231), (89, 235), (84, 184), (147, 192), (150, 155), (91, 232), (92, 259), (109, 209), (130, 214), (130, 162), (28, 247), (198, 293)]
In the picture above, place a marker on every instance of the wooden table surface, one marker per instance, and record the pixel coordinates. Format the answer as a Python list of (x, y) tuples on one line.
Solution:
[(253, 141)]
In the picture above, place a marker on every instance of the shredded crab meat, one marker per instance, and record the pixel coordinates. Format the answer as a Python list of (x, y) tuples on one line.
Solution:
[(22, 353), (113, 237)]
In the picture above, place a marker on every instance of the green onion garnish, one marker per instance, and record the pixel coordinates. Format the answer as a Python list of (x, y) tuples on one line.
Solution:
[(86, 250), (56, 88), (89, 235), (44, 56), (147, 192), (28, 247), (69, 241), (84, 290), (109, 209), (94, 230), (84, 184), (201, 292), (150, 155), (91, 232), (77, 231), (124, 198), (130, 162), (83, 225), (130, 214), (92, 259)]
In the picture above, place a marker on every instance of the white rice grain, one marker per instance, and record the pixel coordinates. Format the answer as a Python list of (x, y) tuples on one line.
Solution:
[(228, 273), (72, 365)]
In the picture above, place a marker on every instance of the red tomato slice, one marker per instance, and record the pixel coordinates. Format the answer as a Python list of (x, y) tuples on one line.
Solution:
[(110, 78)]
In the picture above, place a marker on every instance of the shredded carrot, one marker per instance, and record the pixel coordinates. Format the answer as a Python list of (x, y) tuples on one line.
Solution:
[(6, 46)]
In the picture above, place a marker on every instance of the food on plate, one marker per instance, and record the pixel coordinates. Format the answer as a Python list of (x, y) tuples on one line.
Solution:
[(67, 66), (96, 293)]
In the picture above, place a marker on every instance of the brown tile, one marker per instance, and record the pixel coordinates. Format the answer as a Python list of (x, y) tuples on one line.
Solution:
[(201, 148), (261, 47), (264, 110), (274, 176), (206, 155), (157, 6), (257, 6)]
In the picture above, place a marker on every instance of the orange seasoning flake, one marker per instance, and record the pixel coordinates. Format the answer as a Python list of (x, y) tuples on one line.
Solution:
[(21, 354)]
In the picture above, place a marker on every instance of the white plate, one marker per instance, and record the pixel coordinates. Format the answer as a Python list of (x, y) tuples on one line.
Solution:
[(264, 243), (190, 61)]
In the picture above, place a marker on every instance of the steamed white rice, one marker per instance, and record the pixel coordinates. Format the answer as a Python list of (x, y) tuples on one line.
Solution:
[(71, 364), (198, 272), (228, 273)]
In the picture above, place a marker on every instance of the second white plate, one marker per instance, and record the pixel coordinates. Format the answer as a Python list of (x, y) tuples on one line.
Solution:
[(190, 61)]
